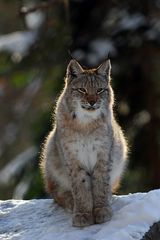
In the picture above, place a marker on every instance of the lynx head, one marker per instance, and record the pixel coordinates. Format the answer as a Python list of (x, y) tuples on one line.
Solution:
[(89, 91)]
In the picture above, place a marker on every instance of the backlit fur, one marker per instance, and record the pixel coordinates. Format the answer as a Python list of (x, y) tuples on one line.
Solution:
[(84, 156)]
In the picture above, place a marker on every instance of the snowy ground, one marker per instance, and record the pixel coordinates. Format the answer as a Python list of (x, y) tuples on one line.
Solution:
[(43, 220)]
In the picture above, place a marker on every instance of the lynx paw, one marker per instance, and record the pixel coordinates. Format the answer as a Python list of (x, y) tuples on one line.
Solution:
[(82, 219), (102, 215)]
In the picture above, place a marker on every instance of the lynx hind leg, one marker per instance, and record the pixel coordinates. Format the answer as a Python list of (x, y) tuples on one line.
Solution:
[(62, 197)]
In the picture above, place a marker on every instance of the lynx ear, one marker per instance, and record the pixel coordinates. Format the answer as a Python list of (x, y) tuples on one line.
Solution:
[(104, 69), (74, 68)]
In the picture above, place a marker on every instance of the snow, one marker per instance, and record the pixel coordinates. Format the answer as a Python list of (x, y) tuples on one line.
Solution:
[(132, 21), (34, 20), (123, 20), (17, 165), (44, 220), (100, 48), (17, 42)]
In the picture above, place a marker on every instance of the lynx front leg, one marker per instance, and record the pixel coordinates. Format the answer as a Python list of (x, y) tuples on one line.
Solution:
[(82, 195), (101, 192)]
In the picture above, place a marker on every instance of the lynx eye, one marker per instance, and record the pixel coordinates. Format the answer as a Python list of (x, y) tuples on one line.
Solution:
[(82, 90), (100, 90)]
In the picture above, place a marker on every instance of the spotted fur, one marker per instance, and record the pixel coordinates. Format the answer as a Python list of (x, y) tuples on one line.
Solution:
[(85, 154)]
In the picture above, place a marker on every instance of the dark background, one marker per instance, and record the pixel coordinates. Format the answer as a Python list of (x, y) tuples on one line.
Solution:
[(35, 37)]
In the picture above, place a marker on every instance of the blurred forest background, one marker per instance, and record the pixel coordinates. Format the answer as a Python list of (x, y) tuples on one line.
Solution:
[(35, 37)]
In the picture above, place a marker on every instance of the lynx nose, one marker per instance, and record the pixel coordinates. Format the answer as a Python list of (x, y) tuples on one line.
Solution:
[(92, 102)]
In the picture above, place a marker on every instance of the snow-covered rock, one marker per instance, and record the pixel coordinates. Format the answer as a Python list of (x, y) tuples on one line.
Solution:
[(44, 220)]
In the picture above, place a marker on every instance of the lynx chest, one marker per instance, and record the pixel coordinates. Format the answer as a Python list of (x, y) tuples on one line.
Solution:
[(86, 151)]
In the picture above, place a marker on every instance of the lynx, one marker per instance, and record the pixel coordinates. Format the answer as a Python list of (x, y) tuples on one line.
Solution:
[(85, 154)]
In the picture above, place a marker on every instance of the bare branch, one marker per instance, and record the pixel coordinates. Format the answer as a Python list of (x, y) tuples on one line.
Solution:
[(41, 6)]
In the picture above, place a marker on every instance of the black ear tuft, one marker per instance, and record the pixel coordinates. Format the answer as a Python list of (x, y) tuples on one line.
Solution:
[(104, 69), (74, 68)]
